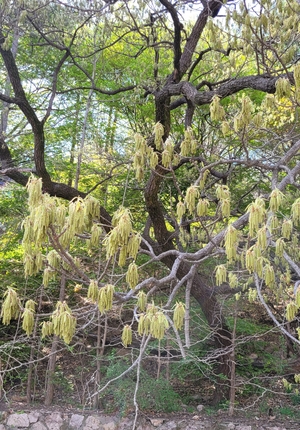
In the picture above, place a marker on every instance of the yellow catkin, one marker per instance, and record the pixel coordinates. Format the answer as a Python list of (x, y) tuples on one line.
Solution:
[(133, 245), (47, 329), (233, 280), (221, 274), (142, 301), (217, 112), (231, 244), (10, 306), (34, 188), (158, 325), (180, 209), (192, 195), (287, 228), (276, 199), (158, 134), (179, 314), (93, 291), (252, 295), (225, 208), (279, 247), (269, 275), (291, 311), (202, 207), (186, 144), (257, 213), (28, 321), (105, 298), (127, 335), (262, 236), (283, 88), (64, 323), (295, 212), (132, 275)]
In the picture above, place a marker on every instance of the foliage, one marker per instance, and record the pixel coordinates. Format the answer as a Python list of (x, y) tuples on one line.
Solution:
[(153, 395)]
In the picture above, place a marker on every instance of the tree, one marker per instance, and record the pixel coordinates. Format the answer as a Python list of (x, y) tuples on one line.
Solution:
[(232, 91)]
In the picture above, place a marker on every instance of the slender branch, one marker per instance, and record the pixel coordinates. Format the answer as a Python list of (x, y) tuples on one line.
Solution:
[(99, 90), (270, 313), (54, 85), (134, 364)]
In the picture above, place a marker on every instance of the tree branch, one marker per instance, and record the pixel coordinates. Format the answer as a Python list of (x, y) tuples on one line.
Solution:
[(211, 8), (266, 84), (177, 38)]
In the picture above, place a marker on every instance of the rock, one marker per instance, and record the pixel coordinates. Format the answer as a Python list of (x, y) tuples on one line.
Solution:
[(92, 423), (33, 417), (143, 427), (157, 421), (200, 408), (47, 420), (3, 414), (109, 426), (107, 423), (275, 428), (54, 421), (18, 420), (38, 426), (76, 421), (171, 425), (125, 424)]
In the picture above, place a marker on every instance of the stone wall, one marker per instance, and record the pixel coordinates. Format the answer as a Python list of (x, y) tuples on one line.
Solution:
[(67, 420)]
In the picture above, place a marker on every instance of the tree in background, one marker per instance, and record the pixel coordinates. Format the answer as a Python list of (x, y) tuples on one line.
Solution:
[(215, 178)]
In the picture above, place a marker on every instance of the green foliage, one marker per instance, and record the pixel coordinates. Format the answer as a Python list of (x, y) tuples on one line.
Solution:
[(290, 412), (295, 399), (247, 327), (62, 383), (158, 395), (153, 394), (18, 375)]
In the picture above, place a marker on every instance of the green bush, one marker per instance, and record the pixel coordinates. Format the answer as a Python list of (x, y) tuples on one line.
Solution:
[(158, 395), (153, 394)]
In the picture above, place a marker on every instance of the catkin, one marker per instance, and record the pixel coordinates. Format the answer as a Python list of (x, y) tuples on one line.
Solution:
[(179, 314)]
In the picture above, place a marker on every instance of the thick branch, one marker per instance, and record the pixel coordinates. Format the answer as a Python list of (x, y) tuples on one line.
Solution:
[(211, 8), (266, 84), (8, 99), (177, 37), (22, 102)]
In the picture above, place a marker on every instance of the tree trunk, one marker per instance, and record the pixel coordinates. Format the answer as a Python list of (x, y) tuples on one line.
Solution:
[(49, 392), (221, 335), (200, 291)]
